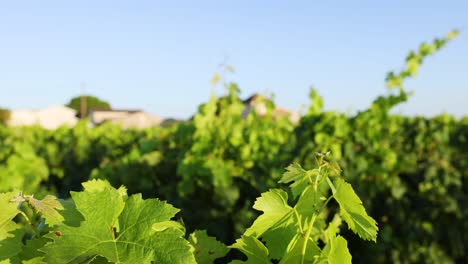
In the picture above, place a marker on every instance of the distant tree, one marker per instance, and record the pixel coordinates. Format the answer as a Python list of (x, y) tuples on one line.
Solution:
[(4, 116), (92, 103), (168, 122)]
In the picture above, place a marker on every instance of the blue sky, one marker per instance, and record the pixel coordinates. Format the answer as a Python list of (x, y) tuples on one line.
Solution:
[(160, 56)]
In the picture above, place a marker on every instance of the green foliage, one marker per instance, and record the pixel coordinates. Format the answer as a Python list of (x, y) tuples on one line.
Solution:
[(291, 233), (414, 61), (124, 230), (416, 58), (92, 103), (207, 249), (24, 224), (169, 122), (255, 251), (405, 169), (353, 212), (22, 169), (317, 102), (9, 210), (102, 223), (231, 158)]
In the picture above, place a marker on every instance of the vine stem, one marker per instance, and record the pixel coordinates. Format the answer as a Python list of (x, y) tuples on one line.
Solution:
[(309, 231), (331, 185), (30, 224), (314, 216), (298, 221), (25, 216), (326, 202)]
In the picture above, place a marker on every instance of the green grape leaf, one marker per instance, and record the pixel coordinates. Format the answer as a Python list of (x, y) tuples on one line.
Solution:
[(300, 252), (161, 226), (170, 247), (309, 202), (72, 217), (37, 260), (353, 212), (274, 205), (277, 224), (119, 229), (30, 252), (47, 207), (278, 237), (8, 207), (300, 178), (336, 252), (10, 240), (255, 251), (294, 172), (207, 248), (96, 185)]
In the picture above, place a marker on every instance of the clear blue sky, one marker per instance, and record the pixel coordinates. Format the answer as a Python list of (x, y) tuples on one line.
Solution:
[(160, 56)]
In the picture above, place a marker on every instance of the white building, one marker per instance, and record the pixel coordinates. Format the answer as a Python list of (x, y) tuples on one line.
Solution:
[(49, 118), (126, 118)]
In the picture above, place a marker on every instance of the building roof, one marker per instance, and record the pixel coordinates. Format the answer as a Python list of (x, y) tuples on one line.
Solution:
[(118, 110)]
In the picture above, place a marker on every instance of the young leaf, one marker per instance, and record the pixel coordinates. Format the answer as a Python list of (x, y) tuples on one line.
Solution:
[(353, 212), (278, 224), (296, 174), (274, 205), (336, 252), (207, 248), (255, 251), (281, 238), (47, 207)]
